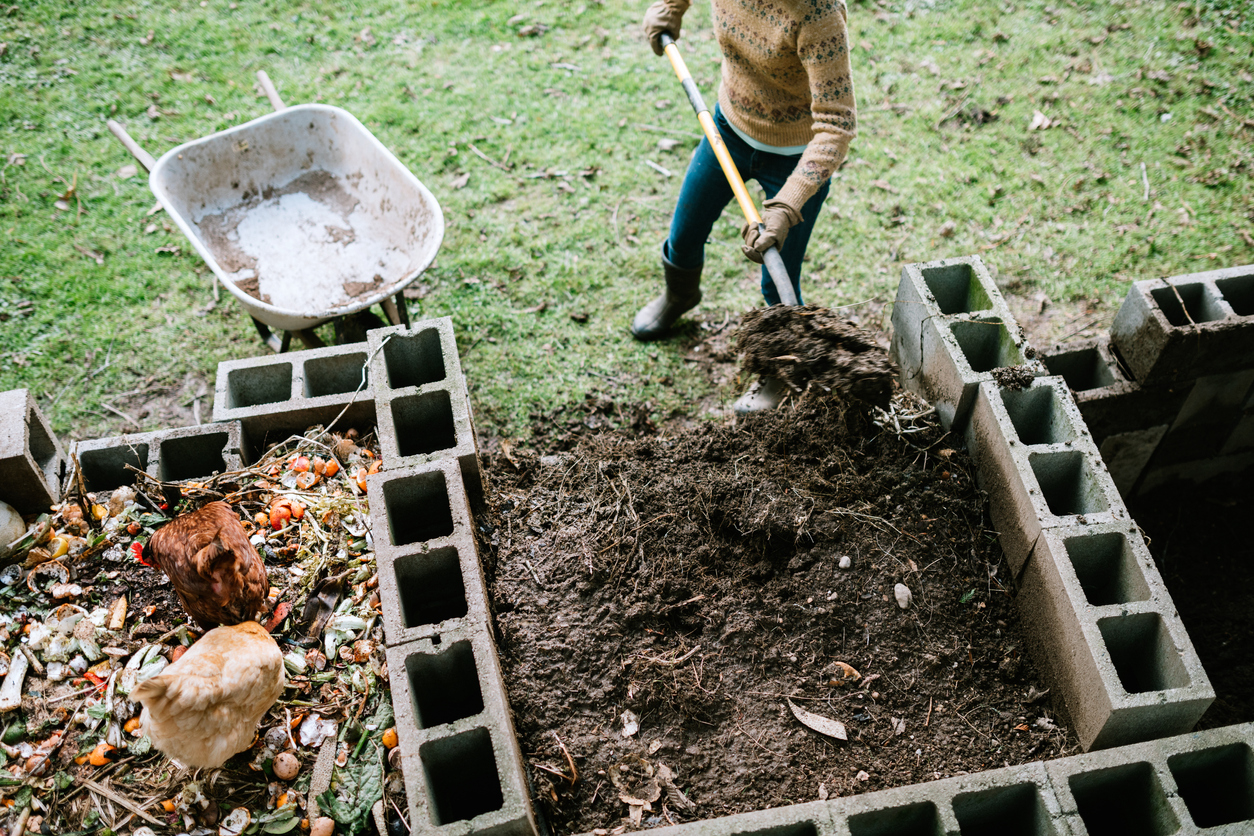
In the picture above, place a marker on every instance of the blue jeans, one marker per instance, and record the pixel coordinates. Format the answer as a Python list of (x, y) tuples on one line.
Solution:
[(705, 192)]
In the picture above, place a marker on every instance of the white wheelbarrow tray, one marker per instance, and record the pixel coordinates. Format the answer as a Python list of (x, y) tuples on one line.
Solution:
[(308, 207)]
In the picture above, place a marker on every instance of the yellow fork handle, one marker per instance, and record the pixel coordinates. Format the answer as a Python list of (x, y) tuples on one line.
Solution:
[(771, 258)]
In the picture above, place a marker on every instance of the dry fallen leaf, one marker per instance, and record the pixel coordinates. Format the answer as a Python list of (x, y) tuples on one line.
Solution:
[(461, 181), (1040, 122), (819, 723)]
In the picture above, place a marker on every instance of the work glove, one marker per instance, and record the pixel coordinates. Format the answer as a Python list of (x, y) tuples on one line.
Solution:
[(778, 216), (661, 18)]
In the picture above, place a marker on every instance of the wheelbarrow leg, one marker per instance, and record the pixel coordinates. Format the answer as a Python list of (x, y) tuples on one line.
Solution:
[(270, 338), (394, 308), (309, 338)]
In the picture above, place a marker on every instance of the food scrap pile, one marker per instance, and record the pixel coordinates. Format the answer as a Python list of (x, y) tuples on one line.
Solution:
[(83, 621)]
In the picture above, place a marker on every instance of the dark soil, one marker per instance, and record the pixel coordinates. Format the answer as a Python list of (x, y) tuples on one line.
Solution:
[(689, 576), (806, 345), (1201, 543)]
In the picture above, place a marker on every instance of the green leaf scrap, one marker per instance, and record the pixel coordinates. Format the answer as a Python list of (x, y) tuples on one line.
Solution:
[(355, 789)]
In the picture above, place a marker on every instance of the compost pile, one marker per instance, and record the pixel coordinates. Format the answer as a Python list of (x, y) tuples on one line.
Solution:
[(805, 346), (712, 620), (82, 622)]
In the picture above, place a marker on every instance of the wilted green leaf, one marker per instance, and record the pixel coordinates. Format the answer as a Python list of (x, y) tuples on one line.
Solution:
[(282, 825), (355, 788)]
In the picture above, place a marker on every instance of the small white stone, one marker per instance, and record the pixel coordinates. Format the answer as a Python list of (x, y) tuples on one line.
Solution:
[(845, 561), (903, 595)]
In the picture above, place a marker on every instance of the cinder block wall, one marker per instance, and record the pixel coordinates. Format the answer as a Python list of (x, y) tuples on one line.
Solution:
[(1169, 395), (1099, 618)]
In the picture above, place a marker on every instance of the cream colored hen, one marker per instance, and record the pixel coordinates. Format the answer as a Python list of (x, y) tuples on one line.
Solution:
[(205, 707)]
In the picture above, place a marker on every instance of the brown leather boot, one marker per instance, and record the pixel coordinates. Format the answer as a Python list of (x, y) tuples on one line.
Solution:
[(683, 292)]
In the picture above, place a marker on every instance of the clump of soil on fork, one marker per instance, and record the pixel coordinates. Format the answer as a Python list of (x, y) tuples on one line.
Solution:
[(805, 345)]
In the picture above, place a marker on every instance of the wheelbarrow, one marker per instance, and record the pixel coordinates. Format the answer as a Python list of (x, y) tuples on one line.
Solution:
[(302, 214)]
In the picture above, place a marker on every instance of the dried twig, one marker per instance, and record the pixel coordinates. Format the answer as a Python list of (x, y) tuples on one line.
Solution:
[(574, 773), (670, 663), (112, 796), (122, 414), (489, 160)]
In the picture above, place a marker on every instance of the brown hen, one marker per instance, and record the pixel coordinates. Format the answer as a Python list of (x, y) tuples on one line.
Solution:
[(214, 569), (205, 707)]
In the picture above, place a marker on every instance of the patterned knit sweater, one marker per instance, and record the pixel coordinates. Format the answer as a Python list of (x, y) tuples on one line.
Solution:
[(786, 81)]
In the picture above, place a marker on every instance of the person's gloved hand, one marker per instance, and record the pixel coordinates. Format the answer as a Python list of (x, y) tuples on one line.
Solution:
[(778, 217), (661, 18)]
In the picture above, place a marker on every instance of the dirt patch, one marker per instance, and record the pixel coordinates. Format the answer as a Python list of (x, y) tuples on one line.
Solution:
[(1014, 377), (805, 345), (1201, 544), (661, 595)]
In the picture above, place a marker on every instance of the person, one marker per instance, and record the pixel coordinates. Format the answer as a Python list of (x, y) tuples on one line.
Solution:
[(786, 113)]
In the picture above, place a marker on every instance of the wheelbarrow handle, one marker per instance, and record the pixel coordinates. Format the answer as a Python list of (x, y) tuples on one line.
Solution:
[(141, 156), (267, 87), (771, 258)]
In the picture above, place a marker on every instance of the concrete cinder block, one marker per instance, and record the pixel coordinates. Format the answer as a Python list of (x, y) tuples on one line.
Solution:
[(430, 578), (1119, 794), (1015, 799), (166, 455), (277, 395), (1101, 624), (1200, 783), (811, 819), (1038, 464), (1242, 437), (463, 770), (1195, 472), (916, 810), (1086, 364), (424, 410), (1207, 418), (1213, 775), (1110, 402), (1187, 326), (1126, 455), (951, 330), (31, 458)]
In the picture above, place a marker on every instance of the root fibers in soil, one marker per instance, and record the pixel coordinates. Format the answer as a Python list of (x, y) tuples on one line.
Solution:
[(660, 596)]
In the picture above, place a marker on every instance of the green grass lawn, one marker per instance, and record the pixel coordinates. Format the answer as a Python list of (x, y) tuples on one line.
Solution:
[(1076, 146)]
